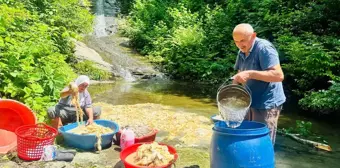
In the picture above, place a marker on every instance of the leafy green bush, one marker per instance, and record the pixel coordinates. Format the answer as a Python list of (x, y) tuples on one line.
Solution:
[(179, 43), (309, 61), (124, 6), (146, 14), (62, 13), (303, 128), (65, 18), (324, 101), (32, 69), (186, 43), (192, 39), (88, 68), (35, 47)]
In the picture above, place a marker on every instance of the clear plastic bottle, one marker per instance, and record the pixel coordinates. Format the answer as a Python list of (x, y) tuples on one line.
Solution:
[(127, 138), (49, 153)]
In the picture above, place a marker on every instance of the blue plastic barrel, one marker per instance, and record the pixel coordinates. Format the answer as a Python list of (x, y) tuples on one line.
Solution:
[(88, 142), (247, 146)]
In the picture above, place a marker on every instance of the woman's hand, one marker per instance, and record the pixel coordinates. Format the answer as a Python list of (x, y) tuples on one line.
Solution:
[(89, 121), (73, 88), (89, 112)]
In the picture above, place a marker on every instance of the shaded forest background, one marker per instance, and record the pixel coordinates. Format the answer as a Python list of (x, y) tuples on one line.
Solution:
[(192, 40), (189, 39)]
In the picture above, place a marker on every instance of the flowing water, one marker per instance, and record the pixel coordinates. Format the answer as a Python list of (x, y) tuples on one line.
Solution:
[(181, 95), (99, 22), (233, 110), (104, 23)]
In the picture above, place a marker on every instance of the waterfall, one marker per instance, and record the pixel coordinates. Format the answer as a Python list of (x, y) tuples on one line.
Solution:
[(105, 22), (99, 22), (104, 26), (126, 74)]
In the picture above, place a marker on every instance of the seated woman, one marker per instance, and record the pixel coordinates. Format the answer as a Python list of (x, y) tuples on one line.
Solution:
[(65, 111)]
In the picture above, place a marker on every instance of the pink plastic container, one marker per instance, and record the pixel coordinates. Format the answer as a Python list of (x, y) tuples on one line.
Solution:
[(8, 141), (127, 138)]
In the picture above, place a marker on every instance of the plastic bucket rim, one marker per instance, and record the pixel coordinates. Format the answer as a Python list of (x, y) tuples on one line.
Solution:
[(33, 141), (91, 135), (245, 88), (151, 133), (36, 138), (22, 104), (76, 140), (14, 101), (139, 144), (242, 88), (154, 131), (254, 131), (225, 133)]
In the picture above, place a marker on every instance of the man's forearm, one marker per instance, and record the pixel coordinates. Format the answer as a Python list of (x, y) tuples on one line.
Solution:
[(267, 76)]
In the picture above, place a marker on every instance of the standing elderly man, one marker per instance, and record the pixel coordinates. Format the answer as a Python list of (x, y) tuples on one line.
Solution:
[(259, 68)]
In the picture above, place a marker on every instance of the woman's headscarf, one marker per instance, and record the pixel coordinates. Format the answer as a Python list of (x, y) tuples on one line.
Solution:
[(82, 79)]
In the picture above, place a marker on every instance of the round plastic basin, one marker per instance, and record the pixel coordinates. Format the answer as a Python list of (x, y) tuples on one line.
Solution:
[(14, 114), (8, 141)]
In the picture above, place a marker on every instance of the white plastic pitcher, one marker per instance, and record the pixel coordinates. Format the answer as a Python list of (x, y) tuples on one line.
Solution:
[(127, 138)]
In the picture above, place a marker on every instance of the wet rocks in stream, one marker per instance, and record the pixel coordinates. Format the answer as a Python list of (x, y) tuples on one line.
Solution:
[(175, 127)]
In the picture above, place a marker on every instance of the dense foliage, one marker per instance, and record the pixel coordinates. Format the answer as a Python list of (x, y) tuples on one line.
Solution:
[(88, 68), (124, 6), (35, 49), (303, 129), (191, 39)]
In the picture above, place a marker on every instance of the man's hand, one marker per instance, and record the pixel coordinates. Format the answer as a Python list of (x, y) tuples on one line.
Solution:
[(89, 121), (242, 77)]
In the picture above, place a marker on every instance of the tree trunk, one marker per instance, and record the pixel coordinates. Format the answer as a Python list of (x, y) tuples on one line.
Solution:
[(306, 141)]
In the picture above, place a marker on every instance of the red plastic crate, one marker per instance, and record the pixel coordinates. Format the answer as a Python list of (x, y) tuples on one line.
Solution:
[(32, 138)]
